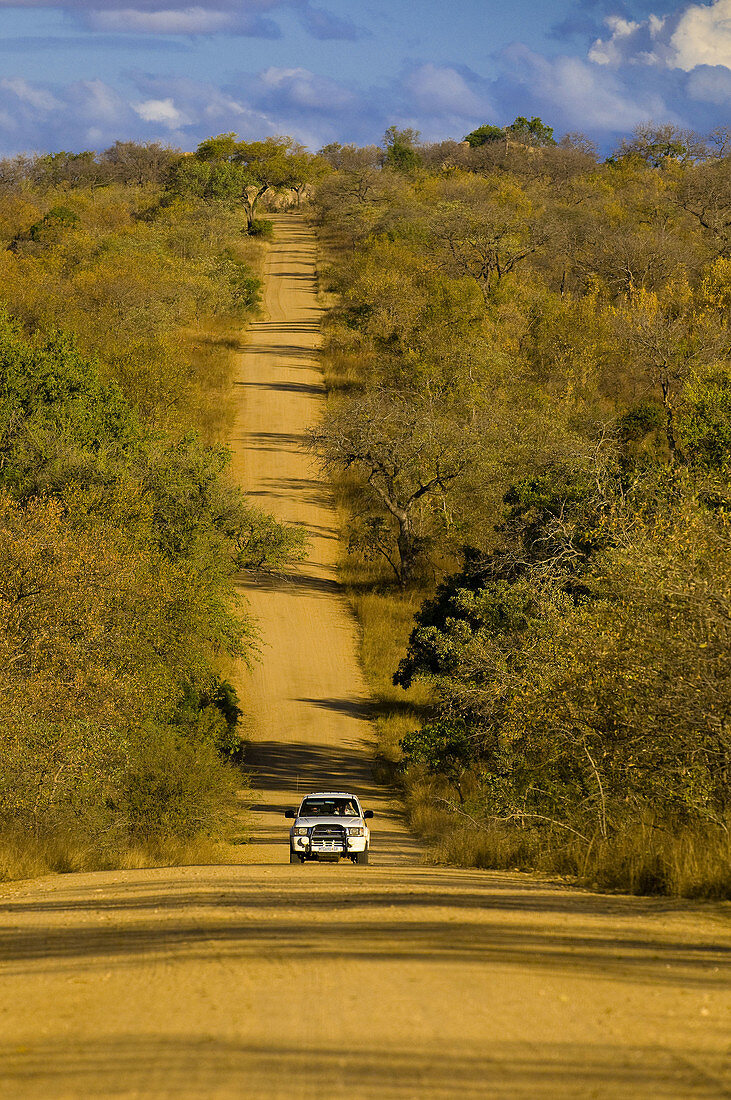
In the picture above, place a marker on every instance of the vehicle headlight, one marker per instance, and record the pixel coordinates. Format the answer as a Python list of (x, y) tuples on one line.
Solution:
[(356, 830), (300, 830)]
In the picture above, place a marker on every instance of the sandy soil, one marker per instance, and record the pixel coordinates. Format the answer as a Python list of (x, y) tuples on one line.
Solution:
[(399, 980), (306, 699), (272, 982)]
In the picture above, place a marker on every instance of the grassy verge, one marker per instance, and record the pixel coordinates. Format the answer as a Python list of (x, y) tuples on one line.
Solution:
[(26, 857)]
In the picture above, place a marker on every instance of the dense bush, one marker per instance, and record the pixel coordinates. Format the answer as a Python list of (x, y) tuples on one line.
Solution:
[(567, 325), (120, 533)]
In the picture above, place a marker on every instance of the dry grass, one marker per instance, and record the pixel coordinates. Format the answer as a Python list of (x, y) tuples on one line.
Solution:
[(25, 855), (210, 351), (386, 619), (210, 348), (639, 859), (177, 853), (643, 859)]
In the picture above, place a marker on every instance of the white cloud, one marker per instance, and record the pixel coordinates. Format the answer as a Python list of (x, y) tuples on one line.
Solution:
[(703, 36), (699, 34), (609, 52), (96, 101), (199, 109), (584, 96), (275, 77), (161, 110), (442, 90), (301, 88), (8, 122), (631, 43), (588, 101), (711, 85), (36, 97), (81, 115), (196, 20), (249, 18)]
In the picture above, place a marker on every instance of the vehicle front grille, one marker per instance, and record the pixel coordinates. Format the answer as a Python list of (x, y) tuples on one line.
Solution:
[(328, 834)]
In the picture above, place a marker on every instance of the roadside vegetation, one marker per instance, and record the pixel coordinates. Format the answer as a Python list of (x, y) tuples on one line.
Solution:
[(529, 429), (122, 293)]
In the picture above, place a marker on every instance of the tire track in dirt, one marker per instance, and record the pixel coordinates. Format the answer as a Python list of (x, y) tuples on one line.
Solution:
[(306, 700)]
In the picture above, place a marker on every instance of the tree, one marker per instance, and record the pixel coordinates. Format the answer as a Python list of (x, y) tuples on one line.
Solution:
[(65, 169), (351, 158), (445, 748), (660, 145), (485, 232), (577, 667), (485, 134), (400, 149), (719, 142), (305, 171), (345, 193), (668, 342), (532, 132), (407, 450), (704, 192), (138, 163), (13, 172), (209, 181), (48, 231), (577, 142), (263, 165)]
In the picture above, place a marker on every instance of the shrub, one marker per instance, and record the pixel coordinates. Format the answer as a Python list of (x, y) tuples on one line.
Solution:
[(261, 228), (177, 787)]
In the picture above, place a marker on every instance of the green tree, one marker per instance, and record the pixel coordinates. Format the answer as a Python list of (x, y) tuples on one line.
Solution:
[(400, 147), (444, 748), (531, 132), (263, 165), (305, 171), (209, 181), (484, 135), (660, 145), (65, 170)]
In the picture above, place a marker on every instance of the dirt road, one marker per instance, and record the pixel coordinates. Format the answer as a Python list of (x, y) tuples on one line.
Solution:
[(306, 698), (396, 981)]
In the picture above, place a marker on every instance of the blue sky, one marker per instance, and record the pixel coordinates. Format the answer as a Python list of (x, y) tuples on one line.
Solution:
[(81, 73)]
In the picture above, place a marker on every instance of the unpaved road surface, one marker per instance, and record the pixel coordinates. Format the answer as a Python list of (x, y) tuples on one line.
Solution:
[(306, 700), (319, 983)]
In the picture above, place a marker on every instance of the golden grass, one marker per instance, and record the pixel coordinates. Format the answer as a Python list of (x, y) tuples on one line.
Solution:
[(638, 859), (386, 620), (27, 855)]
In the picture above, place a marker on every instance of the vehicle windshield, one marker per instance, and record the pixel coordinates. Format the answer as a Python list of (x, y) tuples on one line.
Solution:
[(329, 807)]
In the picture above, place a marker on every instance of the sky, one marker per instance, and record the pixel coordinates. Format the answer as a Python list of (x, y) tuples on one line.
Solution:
[(80, 74)]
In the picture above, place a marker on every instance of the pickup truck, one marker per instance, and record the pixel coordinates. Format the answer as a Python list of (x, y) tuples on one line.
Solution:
[(328, 826)]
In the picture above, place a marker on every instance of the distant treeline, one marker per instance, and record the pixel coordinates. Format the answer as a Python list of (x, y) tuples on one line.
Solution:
[(530, 418), (120, 533)]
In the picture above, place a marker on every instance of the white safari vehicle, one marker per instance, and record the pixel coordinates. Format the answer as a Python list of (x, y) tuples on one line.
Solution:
[(329, 825)]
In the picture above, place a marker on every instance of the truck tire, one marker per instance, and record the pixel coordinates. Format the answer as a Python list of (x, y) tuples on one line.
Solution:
[(294, 858), (361, 858)]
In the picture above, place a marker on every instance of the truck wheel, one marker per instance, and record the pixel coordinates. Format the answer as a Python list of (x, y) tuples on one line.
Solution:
[(361, 858), (294, 858)]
